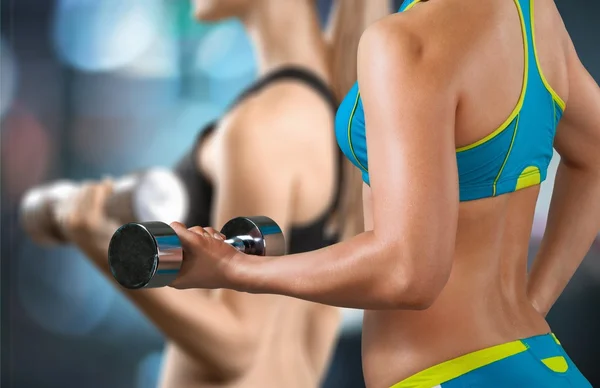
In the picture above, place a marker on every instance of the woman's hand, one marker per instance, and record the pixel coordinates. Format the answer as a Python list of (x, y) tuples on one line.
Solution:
[(207, 259), (83, 220)]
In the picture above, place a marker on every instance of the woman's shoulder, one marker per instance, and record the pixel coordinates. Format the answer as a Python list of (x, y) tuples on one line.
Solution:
[(447, 25), (434, 36), (286, 108)]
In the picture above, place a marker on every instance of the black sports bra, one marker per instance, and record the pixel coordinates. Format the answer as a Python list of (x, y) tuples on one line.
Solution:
[(301, 238)]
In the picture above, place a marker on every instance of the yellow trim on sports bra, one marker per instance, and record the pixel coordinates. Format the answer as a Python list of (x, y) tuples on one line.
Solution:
[(555, 95), (555, 339), (519, 106), (459, 366), (530, 176), (350, 132), (556, 364), (411, 5)]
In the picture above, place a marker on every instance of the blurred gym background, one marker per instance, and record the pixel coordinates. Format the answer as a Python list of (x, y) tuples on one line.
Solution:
[(103, 87)]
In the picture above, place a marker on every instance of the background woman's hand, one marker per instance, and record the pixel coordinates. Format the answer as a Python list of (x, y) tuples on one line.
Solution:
[(83, 220), (206, 259)]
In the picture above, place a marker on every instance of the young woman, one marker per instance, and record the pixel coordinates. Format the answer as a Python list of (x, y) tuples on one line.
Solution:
[(459, 108), (231, 339)]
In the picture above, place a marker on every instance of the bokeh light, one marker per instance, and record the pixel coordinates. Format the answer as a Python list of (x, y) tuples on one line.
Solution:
[(104, 144), (105, 35), (26, 150), (160, 59), (225, 52), (224, 92), (120, 145), (8, 76), (110, 95), (61, 291), (177, 133), (149, 370)]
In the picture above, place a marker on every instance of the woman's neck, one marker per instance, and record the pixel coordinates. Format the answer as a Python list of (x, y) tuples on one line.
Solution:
[(287, 33)]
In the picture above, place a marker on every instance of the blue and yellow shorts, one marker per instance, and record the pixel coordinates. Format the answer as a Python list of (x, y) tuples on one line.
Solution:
[(536, 362)]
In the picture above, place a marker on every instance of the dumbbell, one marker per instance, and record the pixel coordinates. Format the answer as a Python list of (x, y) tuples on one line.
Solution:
[(149, 254), (152, 194)]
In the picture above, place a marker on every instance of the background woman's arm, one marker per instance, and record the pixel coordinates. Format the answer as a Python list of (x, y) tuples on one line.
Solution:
[(193, 319)]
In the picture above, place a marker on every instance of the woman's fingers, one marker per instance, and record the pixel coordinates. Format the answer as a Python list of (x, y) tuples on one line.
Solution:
[(207, 232), (215, 233)]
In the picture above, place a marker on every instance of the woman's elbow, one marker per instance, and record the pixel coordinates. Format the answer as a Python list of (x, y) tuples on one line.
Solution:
[(416, 288)]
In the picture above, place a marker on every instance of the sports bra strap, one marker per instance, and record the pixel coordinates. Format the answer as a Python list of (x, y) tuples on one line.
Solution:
[(294, 73)]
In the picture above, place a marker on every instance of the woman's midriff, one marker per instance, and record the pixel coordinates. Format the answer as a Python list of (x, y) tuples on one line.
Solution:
[(483, 304)]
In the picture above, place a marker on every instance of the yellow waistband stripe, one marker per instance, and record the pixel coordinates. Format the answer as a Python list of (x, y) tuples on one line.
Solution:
[(459, 366)]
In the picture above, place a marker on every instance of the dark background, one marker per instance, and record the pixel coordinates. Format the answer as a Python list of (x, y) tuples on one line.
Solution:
[(93, 87)]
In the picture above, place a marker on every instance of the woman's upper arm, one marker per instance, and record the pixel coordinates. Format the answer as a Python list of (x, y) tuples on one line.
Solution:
[(410, 101), (578, 134)]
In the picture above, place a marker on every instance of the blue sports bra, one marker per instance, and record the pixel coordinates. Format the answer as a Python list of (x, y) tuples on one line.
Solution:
[(513, 157)]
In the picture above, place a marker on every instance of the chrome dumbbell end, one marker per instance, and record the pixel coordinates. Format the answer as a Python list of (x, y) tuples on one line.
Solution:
[(38, 211), (145, 255), (260, 236)]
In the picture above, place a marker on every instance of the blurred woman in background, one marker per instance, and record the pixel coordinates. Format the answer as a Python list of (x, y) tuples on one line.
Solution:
[(226, 338)]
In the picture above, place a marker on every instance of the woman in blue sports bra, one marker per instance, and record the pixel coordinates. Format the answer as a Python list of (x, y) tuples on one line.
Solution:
[(453, 121)]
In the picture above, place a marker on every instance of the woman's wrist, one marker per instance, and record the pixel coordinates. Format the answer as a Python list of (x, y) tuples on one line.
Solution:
[(238, 272)]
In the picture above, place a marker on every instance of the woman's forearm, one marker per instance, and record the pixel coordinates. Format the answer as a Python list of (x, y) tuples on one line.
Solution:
[(573, 223), (358, 273), (199, 324)]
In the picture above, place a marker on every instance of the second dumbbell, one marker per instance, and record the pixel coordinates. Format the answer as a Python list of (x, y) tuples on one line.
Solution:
[(153, 194)]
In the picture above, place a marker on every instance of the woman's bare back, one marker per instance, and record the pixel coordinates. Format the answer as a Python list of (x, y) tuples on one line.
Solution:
[(485, 301)]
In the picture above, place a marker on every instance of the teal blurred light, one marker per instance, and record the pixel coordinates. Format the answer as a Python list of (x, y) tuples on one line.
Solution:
[(149, 370), (61, 291), (107, 34), (8, 76)]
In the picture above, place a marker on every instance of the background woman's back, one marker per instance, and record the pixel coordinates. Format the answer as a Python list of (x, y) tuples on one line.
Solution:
[(281, 123)]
